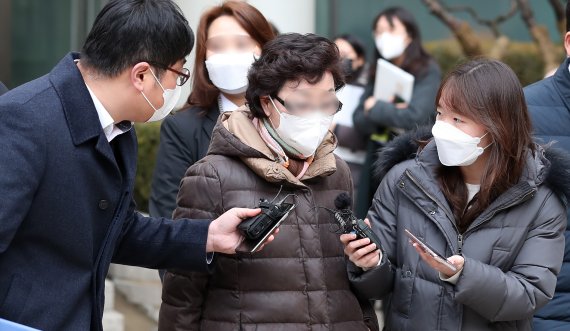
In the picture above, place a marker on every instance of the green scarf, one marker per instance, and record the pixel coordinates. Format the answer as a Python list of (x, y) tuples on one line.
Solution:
[(289, 150)]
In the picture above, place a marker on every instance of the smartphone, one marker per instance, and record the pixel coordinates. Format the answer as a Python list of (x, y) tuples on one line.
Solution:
[(250, 246), (438, 257)]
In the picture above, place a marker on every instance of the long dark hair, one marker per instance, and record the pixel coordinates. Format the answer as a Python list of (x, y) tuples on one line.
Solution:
[(204, 93), (488, 92), (416, 58)]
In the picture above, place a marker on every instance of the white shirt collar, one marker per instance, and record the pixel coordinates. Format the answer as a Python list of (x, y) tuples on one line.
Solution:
[(472, 189), (107, 123), (227, 105)]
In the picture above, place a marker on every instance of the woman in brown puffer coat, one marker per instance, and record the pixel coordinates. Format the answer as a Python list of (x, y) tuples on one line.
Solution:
[(299, 281)]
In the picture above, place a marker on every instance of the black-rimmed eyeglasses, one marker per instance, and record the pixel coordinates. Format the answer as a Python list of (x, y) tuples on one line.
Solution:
[(183, 76)]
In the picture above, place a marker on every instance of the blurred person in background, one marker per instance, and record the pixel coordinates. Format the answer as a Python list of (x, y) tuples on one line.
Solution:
[(549, 107), (351, 144), (229, 38), (279, 142), (353, 57), (398, 40)]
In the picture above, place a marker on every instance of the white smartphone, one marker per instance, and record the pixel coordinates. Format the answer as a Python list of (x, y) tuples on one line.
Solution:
[(438, 257)]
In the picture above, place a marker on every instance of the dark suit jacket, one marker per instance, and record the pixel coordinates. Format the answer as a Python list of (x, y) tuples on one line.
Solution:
[(66, 207), (184, 139)]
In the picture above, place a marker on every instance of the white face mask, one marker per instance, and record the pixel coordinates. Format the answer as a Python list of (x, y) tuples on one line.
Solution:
[(170, 97), (305, 134), (455, 147), (228, 71), (390, 45)]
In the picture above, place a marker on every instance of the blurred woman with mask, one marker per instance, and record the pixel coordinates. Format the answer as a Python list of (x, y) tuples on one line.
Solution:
[(398, 40), (278, 145), (351, 144), (229, 38)]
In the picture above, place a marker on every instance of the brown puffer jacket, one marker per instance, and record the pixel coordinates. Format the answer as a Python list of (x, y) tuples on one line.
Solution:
[(299, 281)]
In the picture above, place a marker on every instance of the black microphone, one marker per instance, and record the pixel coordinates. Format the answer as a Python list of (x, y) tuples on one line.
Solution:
[(342, 201), (348, 223)]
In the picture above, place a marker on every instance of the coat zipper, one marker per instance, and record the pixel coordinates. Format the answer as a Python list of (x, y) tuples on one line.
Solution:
[(459, 236)]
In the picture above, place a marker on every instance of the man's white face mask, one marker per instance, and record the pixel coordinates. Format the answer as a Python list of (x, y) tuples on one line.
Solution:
[(170, 97)]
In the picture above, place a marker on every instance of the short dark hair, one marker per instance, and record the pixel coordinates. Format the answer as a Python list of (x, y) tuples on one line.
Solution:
[(291, 57), (126, 32)]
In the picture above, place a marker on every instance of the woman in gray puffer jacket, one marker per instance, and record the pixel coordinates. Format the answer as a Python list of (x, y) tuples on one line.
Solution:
[(482, 192)]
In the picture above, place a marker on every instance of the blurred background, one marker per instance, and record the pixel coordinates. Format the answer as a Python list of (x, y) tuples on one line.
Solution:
[(36, 34)]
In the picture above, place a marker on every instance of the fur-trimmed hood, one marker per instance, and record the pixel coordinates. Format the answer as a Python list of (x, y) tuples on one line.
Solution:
[(556, 173)]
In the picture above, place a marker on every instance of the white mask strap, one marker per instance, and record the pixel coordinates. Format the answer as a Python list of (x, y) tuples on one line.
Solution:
[(147, 100), (158, 81), (274, 106)]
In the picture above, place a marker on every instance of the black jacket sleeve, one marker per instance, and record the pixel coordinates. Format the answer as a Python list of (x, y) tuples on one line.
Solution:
[(174, 157)]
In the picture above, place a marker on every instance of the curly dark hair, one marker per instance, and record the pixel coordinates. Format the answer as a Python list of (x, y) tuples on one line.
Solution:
[(291, 57)]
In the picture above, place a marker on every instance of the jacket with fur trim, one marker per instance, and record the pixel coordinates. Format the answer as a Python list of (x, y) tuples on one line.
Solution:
[(513, 250)]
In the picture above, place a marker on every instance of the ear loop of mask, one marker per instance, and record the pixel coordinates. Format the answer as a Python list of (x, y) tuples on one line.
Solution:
[(159, 84), (491, 143), (275, 107)]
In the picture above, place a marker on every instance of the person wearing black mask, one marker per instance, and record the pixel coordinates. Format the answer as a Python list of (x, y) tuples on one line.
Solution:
[(351, 144), (353, 56)]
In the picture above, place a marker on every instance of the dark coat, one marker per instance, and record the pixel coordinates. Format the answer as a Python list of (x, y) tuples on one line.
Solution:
[(420, 111), (299, 281), (513, 250), (66, 207), (184, 139), (549, 107)]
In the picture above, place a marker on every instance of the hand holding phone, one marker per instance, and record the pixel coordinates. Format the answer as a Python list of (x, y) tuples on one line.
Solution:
[(430, 251)]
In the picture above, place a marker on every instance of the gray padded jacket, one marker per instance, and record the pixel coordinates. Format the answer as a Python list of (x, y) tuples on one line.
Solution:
[(513, 251)]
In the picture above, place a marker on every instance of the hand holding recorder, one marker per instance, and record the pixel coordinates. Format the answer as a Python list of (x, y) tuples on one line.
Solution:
[(361, 244)]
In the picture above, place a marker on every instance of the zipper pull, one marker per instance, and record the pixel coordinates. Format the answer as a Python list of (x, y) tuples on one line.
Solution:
[(460, 243)]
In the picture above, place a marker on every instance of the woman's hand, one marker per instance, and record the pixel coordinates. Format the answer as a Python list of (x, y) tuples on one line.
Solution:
[(456, 260), (361, 252)]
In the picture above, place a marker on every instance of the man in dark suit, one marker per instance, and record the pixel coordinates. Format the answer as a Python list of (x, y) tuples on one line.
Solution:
[(549, 107), (68, 162)]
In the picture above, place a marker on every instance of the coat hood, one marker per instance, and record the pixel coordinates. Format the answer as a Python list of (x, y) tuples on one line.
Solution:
[(552, 165)]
